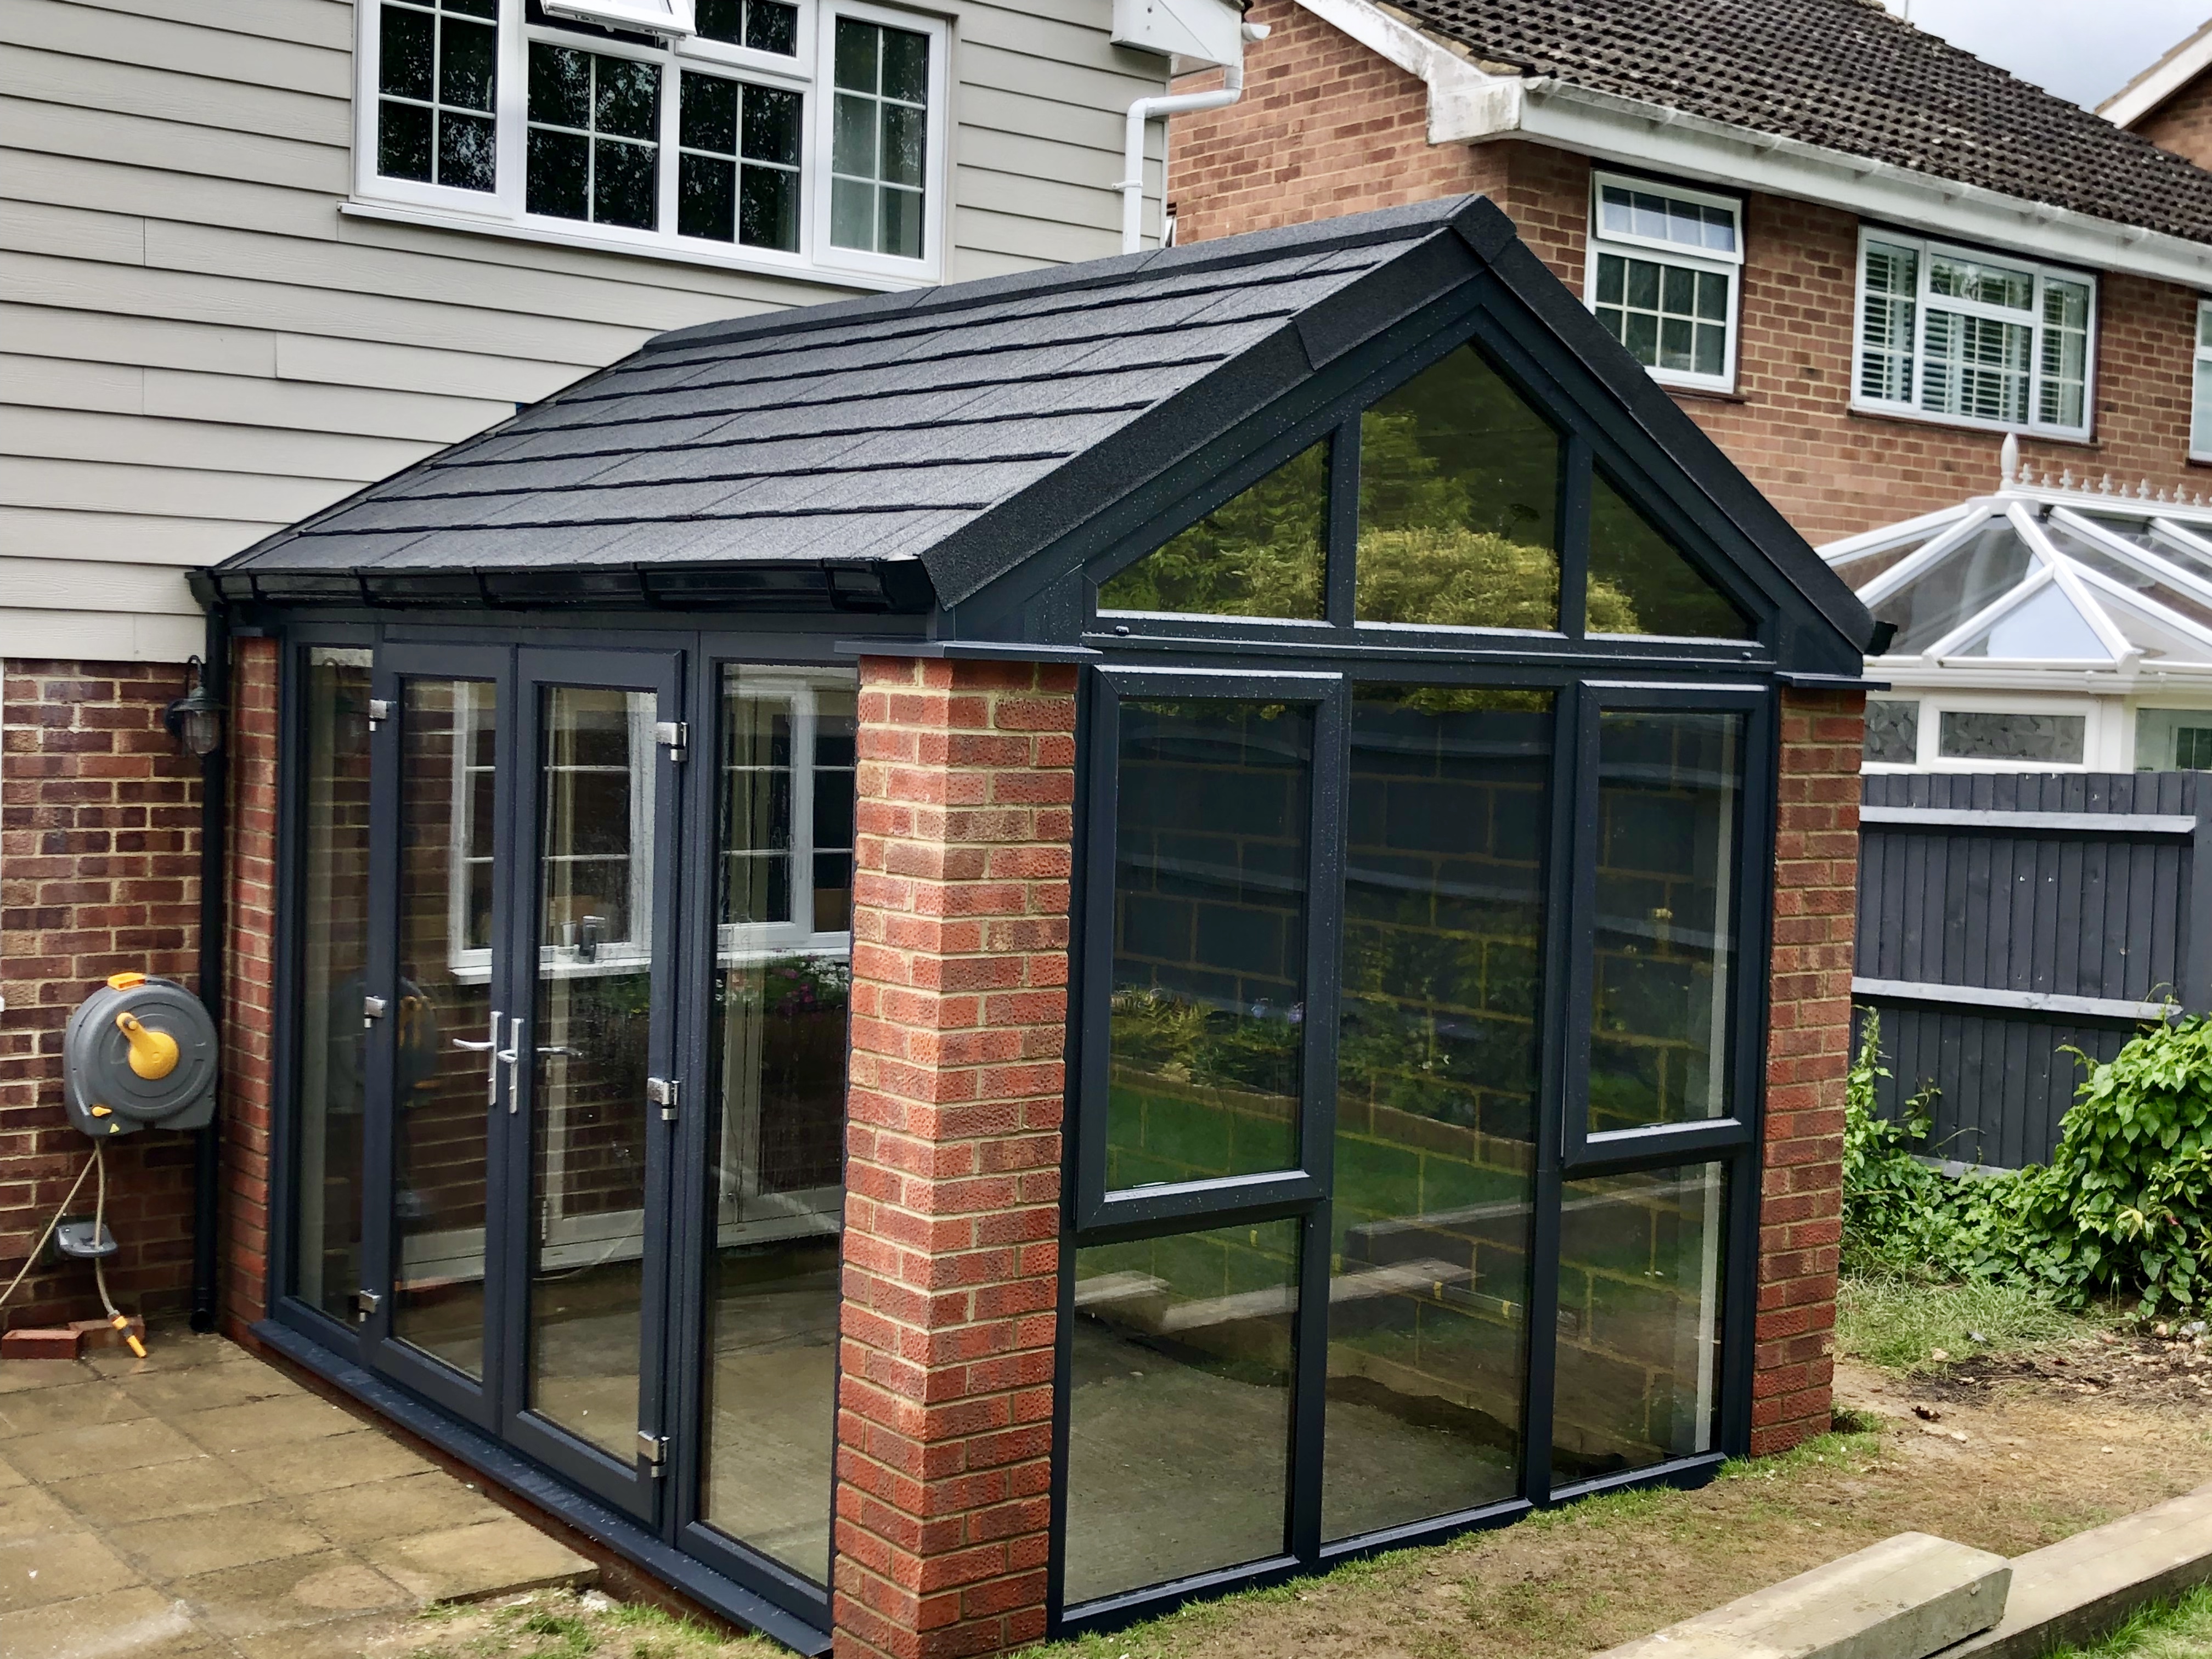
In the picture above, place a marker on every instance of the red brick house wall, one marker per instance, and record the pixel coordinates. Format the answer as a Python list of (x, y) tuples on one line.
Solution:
[(966, 785), (1807, 1053), (99, 873), (250, 986), (1328, 127), (2183, 124)]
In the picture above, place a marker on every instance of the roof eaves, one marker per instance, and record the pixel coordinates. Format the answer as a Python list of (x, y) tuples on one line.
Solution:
[(2180, 65)]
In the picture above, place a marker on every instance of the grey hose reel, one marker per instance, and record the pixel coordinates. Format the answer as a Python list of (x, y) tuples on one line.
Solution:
[(139, 1054)]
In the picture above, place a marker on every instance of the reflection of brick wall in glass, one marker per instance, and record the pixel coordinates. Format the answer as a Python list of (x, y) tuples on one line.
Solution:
[(1438, 1072), (333, 950), (1209, 940), (1669, 785), (1636, 1363)]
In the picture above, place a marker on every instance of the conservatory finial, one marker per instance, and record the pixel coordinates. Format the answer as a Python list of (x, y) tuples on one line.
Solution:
[(2009, 461)]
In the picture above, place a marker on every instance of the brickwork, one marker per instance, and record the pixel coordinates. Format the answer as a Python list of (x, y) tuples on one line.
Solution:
[(965, 787), (99, 873), (2183, 124), (1327, 127), (1807, 1054), (250, 988)]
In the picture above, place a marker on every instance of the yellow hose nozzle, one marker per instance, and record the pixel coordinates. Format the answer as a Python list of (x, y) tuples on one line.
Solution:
[(153, 1053)]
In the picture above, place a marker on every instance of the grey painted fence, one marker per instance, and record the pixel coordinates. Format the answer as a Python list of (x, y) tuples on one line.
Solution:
[(2004, 917)]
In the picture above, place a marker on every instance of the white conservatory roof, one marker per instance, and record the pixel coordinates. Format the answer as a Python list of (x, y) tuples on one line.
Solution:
[(2047, 581)]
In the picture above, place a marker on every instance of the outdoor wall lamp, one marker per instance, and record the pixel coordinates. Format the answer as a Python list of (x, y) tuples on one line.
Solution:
[(195, 720)]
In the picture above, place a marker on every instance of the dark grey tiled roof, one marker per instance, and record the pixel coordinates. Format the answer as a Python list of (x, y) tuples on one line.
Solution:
[(1846, 75), (849, 435)]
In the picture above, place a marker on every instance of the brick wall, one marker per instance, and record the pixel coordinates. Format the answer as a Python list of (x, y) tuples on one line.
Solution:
[(1807, 1054), (965, 816), (99, 873), (1327, 127), (249, 999), (2183, 124)]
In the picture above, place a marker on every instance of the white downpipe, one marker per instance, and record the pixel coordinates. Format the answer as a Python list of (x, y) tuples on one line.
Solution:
[(1145, 109)]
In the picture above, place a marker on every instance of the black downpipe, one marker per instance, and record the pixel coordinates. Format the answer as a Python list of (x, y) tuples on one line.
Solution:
[(207, 1149)]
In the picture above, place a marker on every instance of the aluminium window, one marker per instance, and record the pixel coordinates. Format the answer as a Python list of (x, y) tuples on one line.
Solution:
[(776, 135), (1954, 334), (1662, 276)]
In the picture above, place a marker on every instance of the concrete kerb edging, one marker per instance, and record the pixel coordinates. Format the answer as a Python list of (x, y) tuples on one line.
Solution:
[(2077, 1589), (1915, 1596)]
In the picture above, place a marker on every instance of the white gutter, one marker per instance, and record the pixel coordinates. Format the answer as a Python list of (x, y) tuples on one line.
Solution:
[(1466, 105), (1132, 185)]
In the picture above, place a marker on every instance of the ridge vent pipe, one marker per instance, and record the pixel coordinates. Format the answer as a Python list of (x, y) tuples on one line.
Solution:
[(1131, 186)]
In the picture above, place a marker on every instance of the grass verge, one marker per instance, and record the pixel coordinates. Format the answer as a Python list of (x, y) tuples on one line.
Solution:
[(2175, 1629), (1902, 1325)]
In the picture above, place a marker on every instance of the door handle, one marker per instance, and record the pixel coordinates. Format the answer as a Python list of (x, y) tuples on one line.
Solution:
[(490, 1047), (511, 1054)]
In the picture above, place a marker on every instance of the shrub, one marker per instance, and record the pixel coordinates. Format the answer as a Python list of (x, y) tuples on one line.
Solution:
[(2124, 1207)]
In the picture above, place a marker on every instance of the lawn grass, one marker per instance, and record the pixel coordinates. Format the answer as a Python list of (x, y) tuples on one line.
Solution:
[(1901, 1325), (561, 1625), (2173, 1630)]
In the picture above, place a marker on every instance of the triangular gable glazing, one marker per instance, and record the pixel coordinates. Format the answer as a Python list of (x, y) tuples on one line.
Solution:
[(2045, 627)]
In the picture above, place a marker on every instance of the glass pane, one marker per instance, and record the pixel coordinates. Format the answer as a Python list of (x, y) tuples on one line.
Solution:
[(2173, 740), (1437, 1076), (768, 208), (1178, 1439), (2044, 626), (1639, 1340), (442, 1069), (1211, 856), (771, 132), (333, 945), (1975, 734), (1888, 292), (588, 1035), (2200, 419), (402, 141), (772, 26), (1260, 554), (557, 174), (1959, 584), (777, 1045), (1639, 583), (720, 20), (706, 113), (1975, 366), (1459, 486), (624, 183), (706, 197), (405, 53), (467, 57), (1668, 785), (1892, 730)]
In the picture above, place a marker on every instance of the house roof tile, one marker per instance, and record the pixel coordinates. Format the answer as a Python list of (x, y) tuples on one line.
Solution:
[(1846, 75)]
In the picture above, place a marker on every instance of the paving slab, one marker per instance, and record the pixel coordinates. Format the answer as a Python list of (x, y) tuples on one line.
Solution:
[(260, 1427), (186, 1546), (127, 1625), (470, 1563), (345, 1460), (59, 1567), (432, 1501), (1904, 1598), (118, 1450), (195, 1486), (2076, 1589)]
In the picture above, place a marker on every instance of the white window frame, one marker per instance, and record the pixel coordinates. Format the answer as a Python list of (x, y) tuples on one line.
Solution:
[(1658, 250), (2096, 739), (502, 212), (2200, 393), (1926, 251)]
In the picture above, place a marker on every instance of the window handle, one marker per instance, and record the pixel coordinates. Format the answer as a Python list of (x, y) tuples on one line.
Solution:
[(490, 1047), (511, 1054)]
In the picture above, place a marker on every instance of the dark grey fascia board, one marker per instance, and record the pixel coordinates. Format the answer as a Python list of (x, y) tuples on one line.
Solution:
[(1799, 682), (967, 650)]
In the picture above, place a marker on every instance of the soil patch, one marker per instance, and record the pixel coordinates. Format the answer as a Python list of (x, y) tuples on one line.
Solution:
[(2140, 1368)]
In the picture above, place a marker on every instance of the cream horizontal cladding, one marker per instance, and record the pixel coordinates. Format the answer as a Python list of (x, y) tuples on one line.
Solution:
[(204, 338)]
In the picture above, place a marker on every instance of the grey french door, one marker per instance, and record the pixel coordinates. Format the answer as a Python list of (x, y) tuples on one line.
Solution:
[(523, 888)]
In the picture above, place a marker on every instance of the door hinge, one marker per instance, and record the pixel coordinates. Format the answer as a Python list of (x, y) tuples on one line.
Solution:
[(652, 1451), (674, 736), (379, 710), (365, 1303), (667, 1093)]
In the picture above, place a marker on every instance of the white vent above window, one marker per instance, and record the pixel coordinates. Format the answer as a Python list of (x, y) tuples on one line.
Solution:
[(669, 19)]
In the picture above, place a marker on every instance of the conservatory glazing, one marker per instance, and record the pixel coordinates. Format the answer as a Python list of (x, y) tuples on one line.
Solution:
[(961, 964)]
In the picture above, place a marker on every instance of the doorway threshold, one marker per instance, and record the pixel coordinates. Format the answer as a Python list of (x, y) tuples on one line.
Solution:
[(524, 1479)]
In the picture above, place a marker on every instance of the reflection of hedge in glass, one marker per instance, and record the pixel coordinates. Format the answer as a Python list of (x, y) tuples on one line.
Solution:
[(1258, 554), (1662, 591)]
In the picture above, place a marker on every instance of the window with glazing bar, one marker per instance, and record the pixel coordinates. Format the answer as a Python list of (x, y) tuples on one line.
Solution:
[(787, 134), (1662, 276)]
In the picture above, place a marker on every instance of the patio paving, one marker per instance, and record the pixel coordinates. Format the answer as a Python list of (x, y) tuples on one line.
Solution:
[(200, 1502)]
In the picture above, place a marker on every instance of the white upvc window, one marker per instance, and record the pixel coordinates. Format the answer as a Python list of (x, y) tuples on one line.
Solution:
[(1971, 338), (1665, 266), (795, 136), (2200, 410)]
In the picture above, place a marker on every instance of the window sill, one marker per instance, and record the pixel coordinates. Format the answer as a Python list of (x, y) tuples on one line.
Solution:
[(1703, 394), (1960, 424), (438, 219)]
